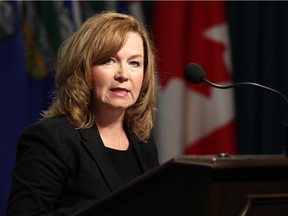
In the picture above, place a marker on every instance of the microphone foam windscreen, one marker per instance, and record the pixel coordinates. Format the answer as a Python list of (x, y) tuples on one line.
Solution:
[(194, 73)]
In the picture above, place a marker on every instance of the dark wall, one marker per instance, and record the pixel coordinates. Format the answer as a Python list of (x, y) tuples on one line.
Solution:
[(259, 39)]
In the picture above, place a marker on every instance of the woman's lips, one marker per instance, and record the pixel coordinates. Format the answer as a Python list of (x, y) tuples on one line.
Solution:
[(119, 91)]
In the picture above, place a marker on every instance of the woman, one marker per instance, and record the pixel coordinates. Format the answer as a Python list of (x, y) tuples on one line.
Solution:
[(96, 136)]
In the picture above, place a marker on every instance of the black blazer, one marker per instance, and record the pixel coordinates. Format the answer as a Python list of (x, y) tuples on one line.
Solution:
[(59, 168)]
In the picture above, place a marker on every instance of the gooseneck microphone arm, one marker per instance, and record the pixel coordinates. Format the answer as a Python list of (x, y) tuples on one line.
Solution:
[(194, 73), (245, 83)]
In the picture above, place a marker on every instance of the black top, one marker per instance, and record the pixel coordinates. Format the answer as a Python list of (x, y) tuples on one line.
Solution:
[(126, 163)]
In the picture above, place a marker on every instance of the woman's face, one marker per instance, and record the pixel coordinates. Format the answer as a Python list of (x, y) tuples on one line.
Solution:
[(116, 83)]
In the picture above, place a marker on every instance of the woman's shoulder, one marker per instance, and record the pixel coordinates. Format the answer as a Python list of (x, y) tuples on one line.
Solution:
[(58, 125), (55, 122), (52, 133)]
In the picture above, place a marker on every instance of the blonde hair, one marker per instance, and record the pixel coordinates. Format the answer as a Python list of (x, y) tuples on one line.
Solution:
[(98, 39)]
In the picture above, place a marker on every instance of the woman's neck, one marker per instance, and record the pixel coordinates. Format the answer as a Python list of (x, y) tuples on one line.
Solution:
[(111, 130)]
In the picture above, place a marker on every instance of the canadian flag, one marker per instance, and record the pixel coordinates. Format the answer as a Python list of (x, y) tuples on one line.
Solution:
[(193, 119)]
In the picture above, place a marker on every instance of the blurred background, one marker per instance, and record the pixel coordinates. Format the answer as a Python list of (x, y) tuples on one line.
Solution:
[(233, 41)]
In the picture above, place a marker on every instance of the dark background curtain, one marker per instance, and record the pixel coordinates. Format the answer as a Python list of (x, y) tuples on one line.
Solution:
[(259, 40)]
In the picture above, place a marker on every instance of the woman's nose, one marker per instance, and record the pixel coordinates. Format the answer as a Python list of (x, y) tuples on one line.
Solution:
[(122, 73)]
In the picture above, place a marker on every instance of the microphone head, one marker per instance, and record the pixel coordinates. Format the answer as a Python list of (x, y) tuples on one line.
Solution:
[(194, 73)]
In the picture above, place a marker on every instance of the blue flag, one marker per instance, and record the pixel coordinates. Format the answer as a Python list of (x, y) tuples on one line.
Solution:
[(13, 94)]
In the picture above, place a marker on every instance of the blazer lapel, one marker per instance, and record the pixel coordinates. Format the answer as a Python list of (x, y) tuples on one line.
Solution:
[(93, 143)]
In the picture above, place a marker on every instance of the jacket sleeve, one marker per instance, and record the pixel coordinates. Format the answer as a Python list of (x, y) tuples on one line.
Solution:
[(39, 175)]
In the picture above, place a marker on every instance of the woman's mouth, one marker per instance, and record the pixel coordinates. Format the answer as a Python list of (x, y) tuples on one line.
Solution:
[(120, 91)]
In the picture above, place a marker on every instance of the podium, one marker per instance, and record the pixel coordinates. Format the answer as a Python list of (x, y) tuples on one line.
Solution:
[(220, 185)]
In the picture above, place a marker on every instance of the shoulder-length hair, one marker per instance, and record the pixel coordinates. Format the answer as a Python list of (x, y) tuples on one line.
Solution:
[(98, 39)]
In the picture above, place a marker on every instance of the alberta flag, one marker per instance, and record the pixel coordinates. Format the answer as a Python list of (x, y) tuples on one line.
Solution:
[(30, 34), (13, 93), (193, 119)]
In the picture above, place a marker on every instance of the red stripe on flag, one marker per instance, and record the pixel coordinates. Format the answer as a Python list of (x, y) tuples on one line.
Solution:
[(169, 37), (219, 141)]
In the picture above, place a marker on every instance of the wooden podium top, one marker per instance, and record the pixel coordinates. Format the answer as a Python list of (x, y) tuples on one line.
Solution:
[(223, 161)]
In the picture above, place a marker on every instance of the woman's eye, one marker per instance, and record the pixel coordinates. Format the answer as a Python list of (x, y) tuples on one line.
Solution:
[(135, 63), (109, 62)]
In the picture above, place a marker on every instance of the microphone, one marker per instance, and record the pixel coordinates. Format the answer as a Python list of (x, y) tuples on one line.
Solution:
[(195, 74)]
